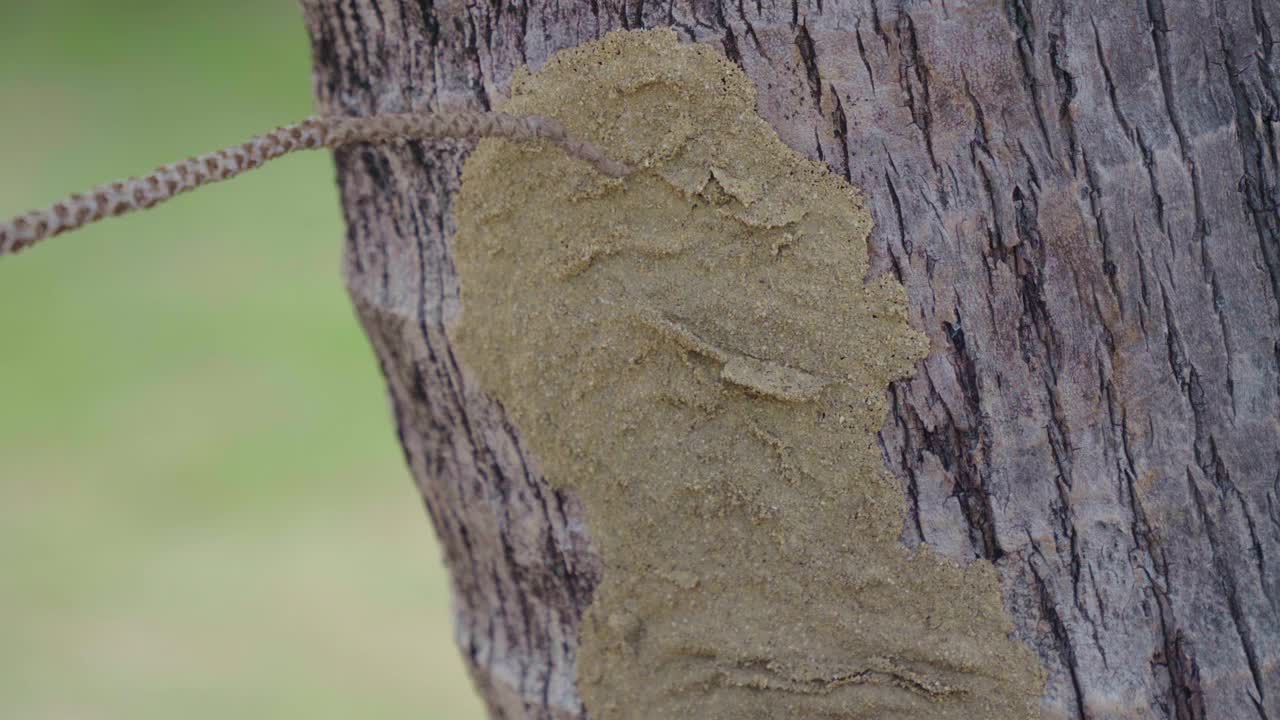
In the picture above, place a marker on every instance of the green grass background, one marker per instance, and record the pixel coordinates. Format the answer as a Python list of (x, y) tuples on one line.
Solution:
[(203, 511)]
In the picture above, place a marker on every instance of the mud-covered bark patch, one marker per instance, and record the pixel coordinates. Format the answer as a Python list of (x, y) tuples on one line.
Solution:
[(693, 350)]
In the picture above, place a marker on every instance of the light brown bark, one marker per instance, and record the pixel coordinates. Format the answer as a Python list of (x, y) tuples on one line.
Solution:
[(1081, 198)]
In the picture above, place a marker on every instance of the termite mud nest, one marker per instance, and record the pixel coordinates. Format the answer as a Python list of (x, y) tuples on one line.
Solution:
[(694, 351)]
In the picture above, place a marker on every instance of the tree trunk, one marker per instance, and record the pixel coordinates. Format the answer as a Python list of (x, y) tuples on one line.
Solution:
[(1082, 200)]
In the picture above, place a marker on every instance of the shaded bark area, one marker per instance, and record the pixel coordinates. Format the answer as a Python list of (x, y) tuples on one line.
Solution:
[(1082, 199)]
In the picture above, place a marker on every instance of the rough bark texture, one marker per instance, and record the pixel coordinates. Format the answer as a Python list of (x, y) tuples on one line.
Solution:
[(1082, 199)]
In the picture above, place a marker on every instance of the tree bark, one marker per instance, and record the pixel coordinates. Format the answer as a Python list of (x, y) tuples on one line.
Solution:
[(1081, 197)]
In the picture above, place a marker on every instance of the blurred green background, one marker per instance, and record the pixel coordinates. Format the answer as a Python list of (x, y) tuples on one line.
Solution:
[(203, 511)]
